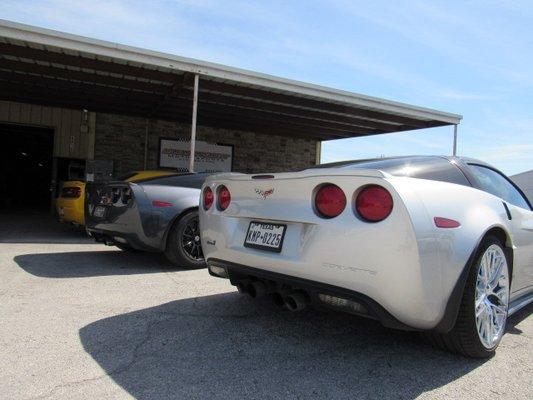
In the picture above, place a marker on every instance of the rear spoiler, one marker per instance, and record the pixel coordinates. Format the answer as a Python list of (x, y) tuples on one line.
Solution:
[(308, 173)]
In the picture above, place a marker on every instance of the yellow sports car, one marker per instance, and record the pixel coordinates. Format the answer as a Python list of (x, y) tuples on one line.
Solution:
[(70, 204)]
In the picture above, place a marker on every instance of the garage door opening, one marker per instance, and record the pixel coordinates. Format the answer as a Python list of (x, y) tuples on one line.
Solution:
[(26, 155)]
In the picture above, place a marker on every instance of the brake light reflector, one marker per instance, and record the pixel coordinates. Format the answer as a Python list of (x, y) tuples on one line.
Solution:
[(446, 223), (126, 195), (209, 197), (159, 203), (330, 201), (224, 198), (71, 192), (374, 203)]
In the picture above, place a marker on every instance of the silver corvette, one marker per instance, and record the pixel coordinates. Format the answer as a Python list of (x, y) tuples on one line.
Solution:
[(437, 244)]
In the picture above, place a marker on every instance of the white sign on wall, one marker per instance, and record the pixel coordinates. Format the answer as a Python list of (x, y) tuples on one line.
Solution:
[(209, 157)]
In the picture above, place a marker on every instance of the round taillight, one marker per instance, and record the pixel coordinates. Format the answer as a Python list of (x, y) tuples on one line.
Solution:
[(209, 197), (224, 198), (374, 203), (330, 201)]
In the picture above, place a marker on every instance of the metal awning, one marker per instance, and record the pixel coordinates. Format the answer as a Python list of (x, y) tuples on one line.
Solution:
[(58, 69)]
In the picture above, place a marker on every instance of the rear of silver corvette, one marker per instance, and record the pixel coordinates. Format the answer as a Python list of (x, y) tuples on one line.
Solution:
[(275, 228)]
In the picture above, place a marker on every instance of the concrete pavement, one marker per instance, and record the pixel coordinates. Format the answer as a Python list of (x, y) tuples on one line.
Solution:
[(80, 320)]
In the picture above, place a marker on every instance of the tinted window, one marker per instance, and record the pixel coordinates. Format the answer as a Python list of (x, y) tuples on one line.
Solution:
[(187, 180), (434, 168), (495, 183)]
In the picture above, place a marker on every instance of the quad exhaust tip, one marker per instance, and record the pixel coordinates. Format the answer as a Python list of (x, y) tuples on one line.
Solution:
[(256, 289), (296, 301)]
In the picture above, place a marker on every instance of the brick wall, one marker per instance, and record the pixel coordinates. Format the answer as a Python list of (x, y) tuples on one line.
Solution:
[(121, 139)]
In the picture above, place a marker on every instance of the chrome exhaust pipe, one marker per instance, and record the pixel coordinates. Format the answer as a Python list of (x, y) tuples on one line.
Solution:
[(256, 289), (296, 301)]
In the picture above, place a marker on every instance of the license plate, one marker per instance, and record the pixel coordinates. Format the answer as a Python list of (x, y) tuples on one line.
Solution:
[(99, 211), (265, 236)]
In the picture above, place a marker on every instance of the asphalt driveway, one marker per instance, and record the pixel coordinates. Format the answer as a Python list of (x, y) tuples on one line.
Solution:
[(82, 320)]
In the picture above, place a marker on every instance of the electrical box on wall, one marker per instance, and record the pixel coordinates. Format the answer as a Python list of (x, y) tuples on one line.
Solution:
[(99, 170)]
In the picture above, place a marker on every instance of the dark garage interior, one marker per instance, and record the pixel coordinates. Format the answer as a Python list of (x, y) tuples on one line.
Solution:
[(26, 167)]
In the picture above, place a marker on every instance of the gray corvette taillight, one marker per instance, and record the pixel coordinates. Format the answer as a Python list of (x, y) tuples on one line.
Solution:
[(208, 198), (223, 197), (126, 195)]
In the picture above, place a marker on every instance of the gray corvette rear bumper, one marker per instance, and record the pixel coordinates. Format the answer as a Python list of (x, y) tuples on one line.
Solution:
[(238, 272), (111, 237)]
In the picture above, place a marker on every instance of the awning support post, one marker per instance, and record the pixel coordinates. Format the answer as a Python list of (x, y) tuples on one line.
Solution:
[(146, 145), (193, 124), (455, 140)]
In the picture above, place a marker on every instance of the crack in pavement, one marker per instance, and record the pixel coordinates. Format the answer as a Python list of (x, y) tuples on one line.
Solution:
[(147, 335)]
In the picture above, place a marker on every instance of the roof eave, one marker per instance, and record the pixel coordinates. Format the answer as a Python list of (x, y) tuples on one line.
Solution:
[(57, 39)]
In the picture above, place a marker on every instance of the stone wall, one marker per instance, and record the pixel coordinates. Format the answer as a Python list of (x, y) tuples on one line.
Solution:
[(122, 139)]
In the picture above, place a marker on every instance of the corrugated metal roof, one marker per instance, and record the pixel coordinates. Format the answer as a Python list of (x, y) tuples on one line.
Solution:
[(41, 65)]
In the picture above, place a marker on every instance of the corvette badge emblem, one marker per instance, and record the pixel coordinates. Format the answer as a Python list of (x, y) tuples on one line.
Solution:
[(264, 193)]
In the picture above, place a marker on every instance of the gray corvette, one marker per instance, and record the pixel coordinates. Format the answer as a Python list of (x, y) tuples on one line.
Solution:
[(157, 214)]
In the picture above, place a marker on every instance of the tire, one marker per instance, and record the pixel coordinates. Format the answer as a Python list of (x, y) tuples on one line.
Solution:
[(183, 231), (467, 337)]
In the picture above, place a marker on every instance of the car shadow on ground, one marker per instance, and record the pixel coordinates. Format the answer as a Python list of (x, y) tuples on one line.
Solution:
[(228, 346), (80, 264), (39, 228), (518, 317)]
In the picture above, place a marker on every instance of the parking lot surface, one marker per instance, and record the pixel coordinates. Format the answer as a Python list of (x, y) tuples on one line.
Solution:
[(80, 320)]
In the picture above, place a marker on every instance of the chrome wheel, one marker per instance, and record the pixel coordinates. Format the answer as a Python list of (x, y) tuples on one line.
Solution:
[(190, 240), (492, 296)]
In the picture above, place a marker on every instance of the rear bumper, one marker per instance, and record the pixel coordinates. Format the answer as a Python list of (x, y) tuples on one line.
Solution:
[(113, 238), (125, 226), (71, 211), (238, 272), (386, 263), (132, 222)]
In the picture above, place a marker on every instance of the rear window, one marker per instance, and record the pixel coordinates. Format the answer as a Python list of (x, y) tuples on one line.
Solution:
[(433, 168), (71, 192), (183, 180)]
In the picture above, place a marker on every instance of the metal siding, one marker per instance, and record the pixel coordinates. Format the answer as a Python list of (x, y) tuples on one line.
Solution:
[(66, 124), (74, 139), (46, 116), (14, 112), (25, 112), (91, 134), (4, 110), (64, 133), (56, 122), (35, 114)]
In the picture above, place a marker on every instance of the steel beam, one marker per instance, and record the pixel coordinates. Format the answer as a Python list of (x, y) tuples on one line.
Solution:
[(454, 140), (193, 123)]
